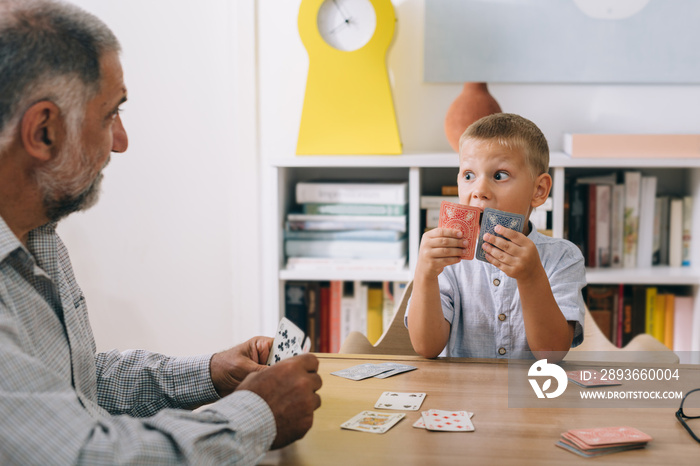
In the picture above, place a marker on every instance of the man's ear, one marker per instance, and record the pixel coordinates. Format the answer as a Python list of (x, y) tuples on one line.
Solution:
[(543, 184), (41, 129)]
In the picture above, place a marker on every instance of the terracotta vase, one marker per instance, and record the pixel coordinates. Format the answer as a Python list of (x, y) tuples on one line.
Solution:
[(473, 103)]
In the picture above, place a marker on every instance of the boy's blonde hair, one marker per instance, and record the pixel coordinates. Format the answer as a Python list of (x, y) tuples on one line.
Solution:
[(513, 132)]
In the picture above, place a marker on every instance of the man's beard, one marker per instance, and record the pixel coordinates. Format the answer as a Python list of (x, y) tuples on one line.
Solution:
[(59, 208), (61, 182)]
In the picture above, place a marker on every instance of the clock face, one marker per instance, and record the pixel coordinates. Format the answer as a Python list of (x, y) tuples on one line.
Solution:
[(346, 25)]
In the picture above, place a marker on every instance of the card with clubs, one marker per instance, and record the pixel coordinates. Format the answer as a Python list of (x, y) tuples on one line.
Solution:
[(361, 371), (463, 218), (447, 421), (395, 367), (289, 341), (400, 400), (373, 422), (490, 219)]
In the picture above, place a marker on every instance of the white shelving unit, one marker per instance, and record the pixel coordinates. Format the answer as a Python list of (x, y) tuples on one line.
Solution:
[(426, 172)]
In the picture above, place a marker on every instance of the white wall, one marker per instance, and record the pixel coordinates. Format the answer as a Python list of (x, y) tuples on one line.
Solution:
[(168, 257)]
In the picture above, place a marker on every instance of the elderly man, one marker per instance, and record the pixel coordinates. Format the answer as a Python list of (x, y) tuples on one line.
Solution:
[(61, 87)]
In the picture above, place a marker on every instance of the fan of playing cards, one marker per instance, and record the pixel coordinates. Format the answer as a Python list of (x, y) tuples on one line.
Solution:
[(289, 341), (467, 219)]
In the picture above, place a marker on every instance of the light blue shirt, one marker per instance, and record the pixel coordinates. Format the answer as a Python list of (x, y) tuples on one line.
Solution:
[(482, 304)]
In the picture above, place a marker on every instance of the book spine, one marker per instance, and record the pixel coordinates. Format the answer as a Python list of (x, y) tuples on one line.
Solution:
[(313, 303), (687, 230), (351, 193), (651, 292), (433, 202), (659, 326), (631, 226), (603, 193), (295, 305), (360, 317), (346, 249), (335, 318), (645, 237), (432, 218), (620, 314), (591, 246), (675, 235), (577, 219), (669, 320), (347, 310), (617, 220), (374, 312), (354, 209), (325, 295)]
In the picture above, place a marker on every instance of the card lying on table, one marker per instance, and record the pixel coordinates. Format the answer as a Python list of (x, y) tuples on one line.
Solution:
[(490, 219), (398, 400), (603, 440), (447, 421), (420, 424), (373, 422), (380, 371), (463, 218), (395, 368), (289, 341)]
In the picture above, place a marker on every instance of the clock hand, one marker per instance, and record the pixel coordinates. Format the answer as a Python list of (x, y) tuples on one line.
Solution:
[(345, 16), (344, 23)]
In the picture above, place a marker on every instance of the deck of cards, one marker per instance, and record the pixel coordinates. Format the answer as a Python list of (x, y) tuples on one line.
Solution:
[(467, 220), (439, 420), (380, 371), (600, 441), (289, 341)]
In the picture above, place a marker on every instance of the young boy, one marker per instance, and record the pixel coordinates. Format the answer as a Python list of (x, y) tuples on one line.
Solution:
[(526, 301)]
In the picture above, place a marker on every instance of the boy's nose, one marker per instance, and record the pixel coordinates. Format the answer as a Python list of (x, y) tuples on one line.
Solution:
[(480, 191)]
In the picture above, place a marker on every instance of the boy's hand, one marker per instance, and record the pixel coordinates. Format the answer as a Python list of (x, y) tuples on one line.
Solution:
[(439, 248), (517, 258)]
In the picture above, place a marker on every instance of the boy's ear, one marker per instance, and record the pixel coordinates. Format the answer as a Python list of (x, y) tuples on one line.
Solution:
[(41, 129), (543, 185)]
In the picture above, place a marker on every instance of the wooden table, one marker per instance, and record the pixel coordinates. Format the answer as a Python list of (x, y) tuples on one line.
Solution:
[(503, 435)]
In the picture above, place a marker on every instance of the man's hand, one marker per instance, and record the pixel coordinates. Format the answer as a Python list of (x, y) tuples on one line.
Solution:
[(517, 258), (230, 367), (289, 388)]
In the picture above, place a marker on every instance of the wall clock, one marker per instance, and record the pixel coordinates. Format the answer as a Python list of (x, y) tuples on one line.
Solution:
[(348, 108)]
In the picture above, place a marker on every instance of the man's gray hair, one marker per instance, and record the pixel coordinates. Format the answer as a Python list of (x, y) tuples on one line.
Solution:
[(49, 50)]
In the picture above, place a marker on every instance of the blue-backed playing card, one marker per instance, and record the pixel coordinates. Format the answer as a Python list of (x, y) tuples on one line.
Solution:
[(490, 219)]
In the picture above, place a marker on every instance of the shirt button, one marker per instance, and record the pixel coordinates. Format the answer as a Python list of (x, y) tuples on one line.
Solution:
[(501, 351), (501, 317), (496, 282)]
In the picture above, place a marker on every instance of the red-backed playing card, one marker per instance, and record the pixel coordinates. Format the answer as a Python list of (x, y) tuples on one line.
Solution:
[(463, 218), (609, 436)]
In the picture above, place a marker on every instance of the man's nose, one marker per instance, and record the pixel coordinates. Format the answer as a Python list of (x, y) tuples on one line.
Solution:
[(120, 141)]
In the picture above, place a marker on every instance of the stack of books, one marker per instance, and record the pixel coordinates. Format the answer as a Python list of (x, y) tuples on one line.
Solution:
[(348, 226), (620, 219)]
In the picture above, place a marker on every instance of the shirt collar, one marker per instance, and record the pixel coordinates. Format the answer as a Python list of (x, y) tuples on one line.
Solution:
[(8, 241)]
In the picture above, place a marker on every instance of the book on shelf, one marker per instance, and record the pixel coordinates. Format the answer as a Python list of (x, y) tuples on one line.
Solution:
[(617, 221), (375, 306), (591, 209), (449, 190), (683, 323), (632, 145), (324, 317), (432, 218), (313, 319), (649, 321), (296, 303), (675, 233), (354, 209), (296, 221), (354, 235), (335, 317), (352, 192), (433, 202), (577, 216), (687, 230), (602, 225), (669, 320), (645, 237), (346, 249), (347, 311), (661, 230), (345, 264), (631, 226), (602, 302)]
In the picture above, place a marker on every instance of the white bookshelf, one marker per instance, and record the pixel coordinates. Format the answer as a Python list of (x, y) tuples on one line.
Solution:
[(425, 172)]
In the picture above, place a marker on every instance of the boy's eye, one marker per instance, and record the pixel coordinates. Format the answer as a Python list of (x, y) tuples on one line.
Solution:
[(468, 176), (500, 176)]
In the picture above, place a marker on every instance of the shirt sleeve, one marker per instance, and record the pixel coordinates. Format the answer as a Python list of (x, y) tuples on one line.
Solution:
[(141, 383), (51, 426)]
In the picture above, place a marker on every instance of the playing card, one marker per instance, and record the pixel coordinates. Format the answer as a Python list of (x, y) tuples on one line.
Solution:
[(590, 378), (288, 342), (490, 219), (361, 371), (447, 421), (610, 436), (419, 424), (395, 368), (399, 400), (373, 422), (463, 218)]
